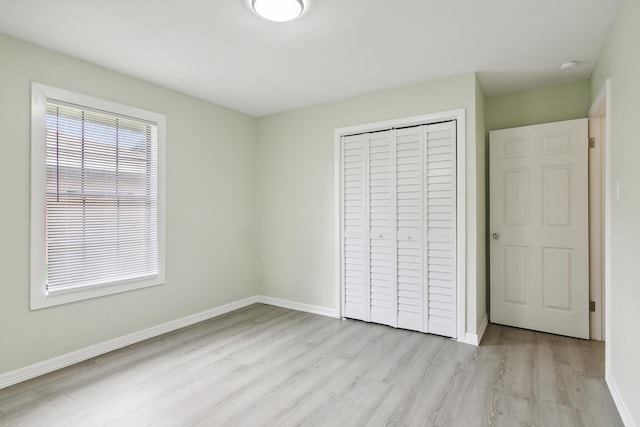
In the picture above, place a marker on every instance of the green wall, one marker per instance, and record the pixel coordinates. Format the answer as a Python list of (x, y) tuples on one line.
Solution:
[(620, 61), (482, 174), (296, 188), (543, 105), (250, 202), (210, 208)]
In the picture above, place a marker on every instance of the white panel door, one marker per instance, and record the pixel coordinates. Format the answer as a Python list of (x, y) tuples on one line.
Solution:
[(539, 228)]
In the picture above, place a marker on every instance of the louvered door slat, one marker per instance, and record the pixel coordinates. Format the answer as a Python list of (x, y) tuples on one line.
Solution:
[(440, 227), (382, 228), (399, 218), (355, 269), (410, 214)]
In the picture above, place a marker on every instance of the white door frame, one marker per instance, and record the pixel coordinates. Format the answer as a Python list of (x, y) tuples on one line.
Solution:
[(596, 208), (461, 236), (601, 109)]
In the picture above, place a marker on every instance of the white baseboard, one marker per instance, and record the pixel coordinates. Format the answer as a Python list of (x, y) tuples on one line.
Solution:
[(617, 398), (59, 362), (475, 339), (313, 309)]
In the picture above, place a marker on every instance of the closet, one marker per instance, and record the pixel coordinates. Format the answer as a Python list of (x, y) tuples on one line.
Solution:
[(398, 227)]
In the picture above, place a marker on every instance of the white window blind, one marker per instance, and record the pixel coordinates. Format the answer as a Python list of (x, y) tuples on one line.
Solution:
[(101, 210)]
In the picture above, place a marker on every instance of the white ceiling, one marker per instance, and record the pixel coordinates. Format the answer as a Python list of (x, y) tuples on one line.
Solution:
[(221, 51)]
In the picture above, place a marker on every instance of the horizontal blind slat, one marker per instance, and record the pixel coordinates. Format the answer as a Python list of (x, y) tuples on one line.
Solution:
[(101, 205)]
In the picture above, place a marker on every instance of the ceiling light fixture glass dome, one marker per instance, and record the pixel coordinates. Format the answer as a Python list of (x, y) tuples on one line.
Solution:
[(278, 10)]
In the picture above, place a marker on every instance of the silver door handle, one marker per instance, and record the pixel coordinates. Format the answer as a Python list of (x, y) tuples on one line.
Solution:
[(495, 236)]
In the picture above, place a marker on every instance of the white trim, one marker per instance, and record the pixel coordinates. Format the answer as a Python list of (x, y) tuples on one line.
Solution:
[(461, 194), (337, 218), (617, 399), (298, 306), (422, 119), (596, 227), (40, 94), (602, 107), (59, 362), (476, 339), (461, 226)]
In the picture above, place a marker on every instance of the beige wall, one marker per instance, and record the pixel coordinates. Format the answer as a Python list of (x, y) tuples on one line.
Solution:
[(210, 210), (296, 197), (542, 105), (620, 61)]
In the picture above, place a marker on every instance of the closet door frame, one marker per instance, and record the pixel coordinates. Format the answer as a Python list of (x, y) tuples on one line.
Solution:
[(459, 116)]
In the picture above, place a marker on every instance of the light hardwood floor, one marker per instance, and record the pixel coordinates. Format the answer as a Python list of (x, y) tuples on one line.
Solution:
[(264, 365)]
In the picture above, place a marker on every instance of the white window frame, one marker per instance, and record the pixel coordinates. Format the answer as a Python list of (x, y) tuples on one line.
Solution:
[(40, 94)]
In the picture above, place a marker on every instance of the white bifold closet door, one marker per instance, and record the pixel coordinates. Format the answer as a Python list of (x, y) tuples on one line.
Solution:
[(399, 218)]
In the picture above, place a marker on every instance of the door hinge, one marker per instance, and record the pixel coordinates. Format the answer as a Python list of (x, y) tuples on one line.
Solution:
[(592, 142), (592, 306)]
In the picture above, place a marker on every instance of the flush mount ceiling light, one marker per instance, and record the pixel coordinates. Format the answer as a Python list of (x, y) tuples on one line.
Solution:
[(570, 65), (278, 10)]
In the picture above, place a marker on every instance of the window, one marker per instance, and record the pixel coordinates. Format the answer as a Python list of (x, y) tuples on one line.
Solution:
[(96, 207)]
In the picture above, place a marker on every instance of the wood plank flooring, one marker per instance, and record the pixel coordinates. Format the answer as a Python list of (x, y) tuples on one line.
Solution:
[(269, 366)]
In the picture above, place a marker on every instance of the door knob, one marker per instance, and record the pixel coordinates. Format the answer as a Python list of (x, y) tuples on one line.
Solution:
[(495, 236)]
